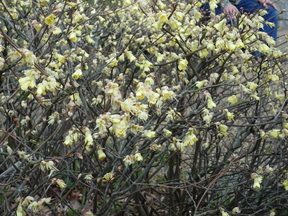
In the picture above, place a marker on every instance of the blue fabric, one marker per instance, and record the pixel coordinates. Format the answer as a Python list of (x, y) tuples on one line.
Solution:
[(250, 6)]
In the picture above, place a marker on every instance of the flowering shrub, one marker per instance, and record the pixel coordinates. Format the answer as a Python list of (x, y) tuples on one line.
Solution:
[(140, 107)]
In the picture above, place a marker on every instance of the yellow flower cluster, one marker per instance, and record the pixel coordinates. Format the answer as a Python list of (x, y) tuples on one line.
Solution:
[(189, 140), (31, 204), (257, 180), (131, 159)]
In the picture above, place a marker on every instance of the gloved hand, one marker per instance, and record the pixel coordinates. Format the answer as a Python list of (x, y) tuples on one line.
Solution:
[(268, 2)]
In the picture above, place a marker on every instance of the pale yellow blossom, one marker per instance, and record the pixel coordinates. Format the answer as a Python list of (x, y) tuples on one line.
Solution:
[(50, 19)]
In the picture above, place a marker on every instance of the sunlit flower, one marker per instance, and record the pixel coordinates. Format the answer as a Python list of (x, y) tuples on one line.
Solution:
[(127, 105), (72, 36), (149, 134), (50, 19), (77, 74), (166, 94), (182, 64), (56, 30), (275, 133), (28, 57)]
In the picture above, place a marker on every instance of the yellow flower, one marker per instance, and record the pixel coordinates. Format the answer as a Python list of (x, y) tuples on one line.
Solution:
[(257, 180), (47, 165), (45, 200), (285, 132), (27, 200), (68, 140), (140, 91), (20, 211), (77, 74), (180, 15), (236, 210), (108, 176), (34, 206), (50, 19), (149, 134), (56, 30), (112, 62), (76, 17), (61, 183), (229, 114), (210, 103), (223, 129), (120, 128), (128, 160), (100, 153), (263, 48), (213, 4), (180, 146), (72, 36), (220, 25), (27, 82), (232, 99), (200, 84), (162, 17), (190, 139), (174, 24), (72, 4), (145, 66), (230, 46), (197, 15), (60, 58), (152, 97), (203, 53), (252, 85), (285, 184), (275, 133), (166, 94), (130, 56), (127, 105), (88, 177), (36, 25), (28, 57), (239, 43), (88, 137), (182, 64), (223, 213), (167, 132), (138, 157)]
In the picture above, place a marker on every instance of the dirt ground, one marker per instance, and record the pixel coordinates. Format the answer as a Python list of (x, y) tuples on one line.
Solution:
[(281, 34)]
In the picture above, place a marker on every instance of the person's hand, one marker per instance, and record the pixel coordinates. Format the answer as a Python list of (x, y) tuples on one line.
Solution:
[(231, 10), (268, 2)]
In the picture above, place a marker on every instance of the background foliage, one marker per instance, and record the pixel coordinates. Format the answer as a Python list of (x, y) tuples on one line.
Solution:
[(139, 108)]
